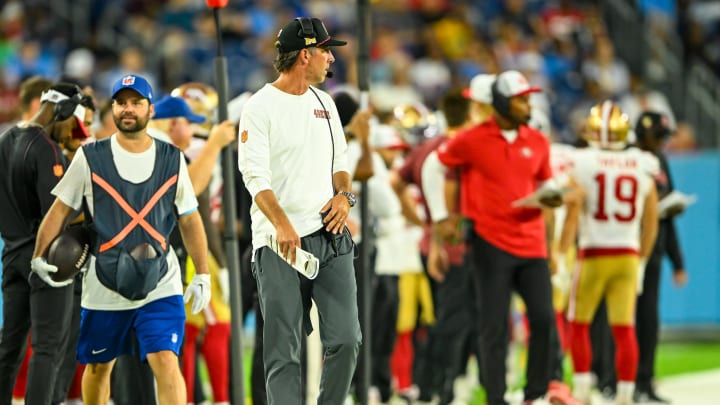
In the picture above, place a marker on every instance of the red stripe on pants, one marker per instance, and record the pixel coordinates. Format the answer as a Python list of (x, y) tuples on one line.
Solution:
[(402, 360), (626, 352), (580, 347)]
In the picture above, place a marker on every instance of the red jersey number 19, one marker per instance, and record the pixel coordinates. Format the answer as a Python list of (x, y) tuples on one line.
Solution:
[(626, 188)]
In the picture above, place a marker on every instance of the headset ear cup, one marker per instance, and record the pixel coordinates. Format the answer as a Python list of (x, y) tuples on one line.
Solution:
[(64, 109), (306, 27)]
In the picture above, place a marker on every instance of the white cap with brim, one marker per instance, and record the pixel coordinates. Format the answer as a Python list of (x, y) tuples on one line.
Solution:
[(480, 89), (386, 137), (512, 83)]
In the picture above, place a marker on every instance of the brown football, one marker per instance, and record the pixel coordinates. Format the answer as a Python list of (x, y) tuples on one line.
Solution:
[(69, 251)]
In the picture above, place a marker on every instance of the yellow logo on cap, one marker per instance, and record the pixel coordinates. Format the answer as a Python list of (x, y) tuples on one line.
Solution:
[(310, 41)]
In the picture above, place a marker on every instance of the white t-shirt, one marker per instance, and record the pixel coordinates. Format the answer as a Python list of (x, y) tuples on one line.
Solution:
[(616, 184), (561, 162), (135, 168), (285, 146)]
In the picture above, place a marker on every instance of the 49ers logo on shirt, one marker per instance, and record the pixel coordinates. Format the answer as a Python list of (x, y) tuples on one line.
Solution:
[(324, 114), (244, 136)]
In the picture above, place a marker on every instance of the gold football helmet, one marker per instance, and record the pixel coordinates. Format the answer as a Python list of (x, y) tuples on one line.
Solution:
[(607, 126), (416, 122), (203, 100)]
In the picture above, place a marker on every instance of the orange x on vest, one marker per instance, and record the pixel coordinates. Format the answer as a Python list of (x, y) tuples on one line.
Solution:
[(138, 218)]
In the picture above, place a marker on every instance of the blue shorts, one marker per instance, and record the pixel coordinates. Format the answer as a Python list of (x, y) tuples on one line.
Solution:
[(104, 335)]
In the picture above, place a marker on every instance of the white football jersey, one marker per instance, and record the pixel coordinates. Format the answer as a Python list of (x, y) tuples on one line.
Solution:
[(561, 162), (616, 185)]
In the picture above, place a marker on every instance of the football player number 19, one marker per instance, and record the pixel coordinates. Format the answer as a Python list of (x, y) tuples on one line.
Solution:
[(626, 188)]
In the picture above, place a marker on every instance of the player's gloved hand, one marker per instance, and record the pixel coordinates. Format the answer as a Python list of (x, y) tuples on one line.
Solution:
[(224, 283), (561, 278), (43, 269), (641, 275), (199, 292)]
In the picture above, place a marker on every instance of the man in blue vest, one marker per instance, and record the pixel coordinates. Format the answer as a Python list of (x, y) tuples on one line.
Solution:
[(136, 189)]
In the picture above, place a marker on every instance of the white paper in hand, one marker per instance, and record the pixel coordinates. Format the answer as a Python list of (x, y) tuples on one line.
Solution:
[(673, 200), (305, 262)]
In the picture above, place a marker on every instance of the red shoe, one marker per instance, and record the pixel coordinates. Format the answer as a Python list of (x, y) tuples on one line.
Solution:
[(560, 394)]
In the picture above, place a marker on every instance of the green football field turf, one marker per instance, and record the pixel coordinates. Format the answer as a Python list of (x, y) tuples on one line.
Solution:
[(673, 359)]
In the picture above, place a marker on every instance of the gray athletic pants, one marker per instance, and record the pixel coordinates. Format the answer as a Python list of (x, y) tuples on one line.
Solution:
[(335, 294)]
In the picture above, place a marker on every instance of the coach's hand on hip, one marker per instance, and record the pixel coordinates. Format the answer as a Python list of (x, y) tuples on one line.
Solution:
[(335, 213)]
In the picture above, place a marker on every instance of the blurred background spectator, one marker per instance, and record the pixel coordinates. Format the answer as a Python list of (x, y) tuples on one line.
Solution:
[(578, 51)]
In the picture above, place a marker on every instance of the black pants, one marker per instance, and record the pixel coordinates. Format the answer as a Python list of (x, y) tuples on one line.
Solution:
[(250, 301), (29, 304), (69, 362), (647, 322), (385, 301), (498, 273), (384, 332), (556, 368), (447, 348)]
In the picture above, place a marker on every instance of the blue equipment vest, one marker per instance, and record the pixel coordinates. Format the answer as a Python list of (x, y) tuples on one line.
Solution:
[(128, 214)]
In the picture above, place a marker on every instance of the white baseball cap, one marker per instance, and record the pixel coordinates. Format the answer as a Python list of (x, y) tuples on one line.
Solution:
[(512, 83), (386, 137), (480, 89)]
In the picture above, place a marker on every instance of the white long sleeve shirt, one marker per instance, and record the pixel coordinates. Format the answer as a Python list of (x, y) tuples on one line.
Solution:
[(287, 146)]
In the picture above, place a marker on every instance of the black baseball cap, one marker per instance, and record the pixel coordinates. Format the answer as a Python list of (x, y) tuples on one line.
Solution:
[(653, 123), (292, 37)]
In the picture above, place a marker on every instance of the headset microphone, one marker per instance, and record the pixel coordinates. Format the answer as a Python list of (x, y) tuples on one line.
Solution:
[(329, 74)]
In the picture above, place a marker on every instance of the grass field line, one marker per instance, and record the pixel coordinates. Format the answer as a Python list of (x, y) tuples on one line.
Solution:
[(698, 388)]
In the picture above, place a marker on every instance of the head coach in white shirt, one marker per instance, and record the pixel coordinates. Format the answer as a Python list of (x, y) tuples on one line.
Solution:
[(292, 156)]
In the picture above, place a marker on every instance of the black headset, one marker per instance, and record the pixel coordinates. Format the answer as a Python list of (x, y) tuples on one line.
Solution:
[(306, 28), (65, 109), (500, 103)]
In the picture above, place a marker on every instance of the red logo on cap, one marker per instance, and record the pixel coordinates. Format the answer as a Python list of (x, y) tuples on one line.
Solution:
[(128, 80)]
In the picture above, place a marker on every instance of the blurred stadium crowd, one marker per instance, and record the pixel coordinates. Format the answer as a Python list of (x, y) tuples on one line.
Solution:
[(420, 48)]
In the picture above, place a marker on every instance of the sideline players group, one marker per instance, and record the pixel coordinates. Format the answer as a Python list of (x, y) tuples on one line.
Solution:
[(469, 213)]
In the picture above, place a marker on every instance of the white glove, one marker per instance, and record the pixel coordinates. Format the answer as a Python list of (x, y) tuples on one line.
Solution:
[(199, 291), (224, 283), (561, 278), (43, 269), (641, 275)]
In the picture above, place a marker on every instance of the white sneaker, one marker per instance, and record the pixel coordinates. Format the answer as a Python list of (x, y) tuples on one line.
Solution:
[(625, 391), (374, 396)]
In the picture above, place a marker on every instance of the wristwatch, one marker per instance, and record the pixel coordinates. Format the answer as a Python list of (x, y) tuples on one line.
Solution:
[(350, 196)]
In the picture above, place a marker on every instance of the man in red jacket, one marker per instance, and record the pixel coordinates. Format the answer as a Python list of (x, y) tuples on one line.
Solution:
[(502, 162)]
